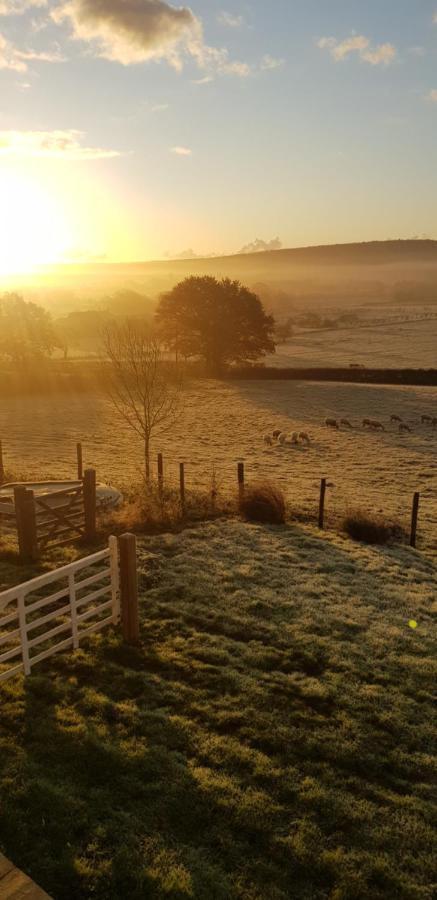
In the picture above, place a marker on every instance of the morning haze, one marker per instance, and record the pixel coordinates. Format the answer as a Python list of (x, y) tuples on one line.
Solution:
[(218, 427)]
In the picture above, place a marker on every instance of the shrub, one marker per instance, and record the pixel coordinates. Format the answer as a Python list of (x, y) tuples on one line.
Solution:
[(263, 503), (370, 528)]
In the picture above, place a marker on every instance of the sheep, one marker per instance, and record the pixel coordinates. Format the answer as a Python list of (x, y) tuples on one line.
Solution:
[(304, 438), (268, 440), (294, 437), (426, 420), (404, 428), (282, 438), (346, 423), (397, 419), (331, 423), (276, 434), (377, 426), (366, 423)]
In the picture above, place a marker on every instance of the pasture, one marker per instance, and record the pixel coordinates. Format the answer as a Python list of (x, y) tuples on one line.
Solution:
[(222, 423), (397, 344), (270, 737)]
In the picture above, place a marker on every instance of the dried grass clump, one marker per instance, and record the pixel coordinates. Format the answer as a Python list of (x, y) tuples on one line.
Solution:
[(263, 502), (370, 528)]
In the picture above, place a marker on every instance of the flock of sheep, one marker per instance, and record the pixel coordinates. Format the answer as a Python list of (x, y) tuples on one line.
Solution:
[(301, 437), (282, 438), (374, 425)]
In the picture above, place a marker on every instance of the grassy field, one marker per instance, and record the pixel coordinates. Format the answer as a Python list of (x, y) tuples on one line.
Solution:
[(223, 422), (409, 344), (270, 737)]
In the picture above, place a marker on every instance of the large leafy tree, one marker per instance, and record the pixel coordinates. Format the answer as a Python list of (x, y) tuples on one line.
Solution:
[(26, 330), (220, 322)]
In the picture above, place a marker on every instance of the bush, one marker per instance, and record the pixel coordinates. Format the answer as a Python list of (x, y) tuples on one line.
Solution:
[(263, 503), (369, 528)]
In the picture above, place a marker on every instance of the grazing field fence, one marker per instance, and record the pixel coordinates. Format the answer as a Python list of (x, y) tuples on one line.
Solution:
[(57, 610), (50, 518)]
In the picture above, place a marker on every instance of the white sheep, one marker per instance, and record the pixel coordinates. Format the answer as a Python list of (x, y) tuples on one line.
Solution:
[(304, 438), (282, 438), (268, 440), (294, 437)]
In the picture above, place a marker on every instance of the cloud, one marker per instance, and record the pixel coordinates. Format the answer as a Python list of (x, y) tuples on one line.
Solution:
[(51, 145), (181, 151), (18, 7), (434, 18), (259, 246), (137, 31), (229, 20), (383, 54), (433, 95), (270, 62), (16, 60), (9, 56)]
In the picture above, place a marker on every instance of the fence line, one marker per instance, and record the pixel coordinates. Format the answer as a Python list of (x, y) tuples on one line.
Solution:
[(30, 631)]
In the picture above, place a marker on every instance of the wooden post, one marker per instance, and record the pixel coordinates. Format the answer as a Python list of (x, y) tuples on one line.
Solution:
[(160, 473), (2, 468), (79, 462), (127, 546), (240, 482), (322, 503), (89, 503), (25, 513), (182, 486), (414, 518)]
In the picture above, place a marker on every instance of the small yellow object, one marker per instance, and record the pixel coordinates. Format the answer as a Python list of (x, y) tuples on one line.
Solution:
[(412, 623)]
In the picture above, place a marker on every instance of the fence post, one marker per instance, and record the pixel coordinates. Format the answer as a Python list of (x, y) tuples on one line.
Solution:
[(2, 468), (127, 545), (160, 473), (25, 513), (182, 486), (240, 482), (89, 503), (322, 503), (79, 462), (414, 518)]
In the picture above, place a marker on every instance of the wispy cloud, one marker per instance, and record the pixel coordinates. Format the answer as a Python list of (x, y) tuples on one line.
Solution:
[(50, 144), (18, 7), (259, 246), (230, 20), (270, 62), (382, 54), (16, 60), (433, 95), (138, 31), (181, 151)]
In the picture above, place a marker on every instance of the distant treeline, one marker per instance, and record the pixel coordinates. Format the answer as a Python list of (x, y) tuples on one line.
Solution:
[(352, 375)]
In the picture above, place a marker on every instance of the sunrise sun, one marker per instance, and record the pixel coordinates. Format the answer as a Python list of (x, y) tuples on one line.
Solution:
[(33, 227)]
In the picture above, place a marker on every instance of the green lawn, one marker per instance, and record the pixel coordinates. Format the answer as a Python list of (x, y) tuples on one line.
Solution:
[(270, 737)]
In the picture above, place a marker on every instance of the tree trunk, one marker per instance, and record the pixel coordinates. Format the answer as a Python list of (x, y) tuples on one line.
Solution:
[(147, 460)]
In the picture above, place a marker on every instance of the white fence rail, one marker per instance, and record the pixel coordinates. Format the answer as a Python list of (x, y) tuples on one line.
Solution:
[(35, 624)]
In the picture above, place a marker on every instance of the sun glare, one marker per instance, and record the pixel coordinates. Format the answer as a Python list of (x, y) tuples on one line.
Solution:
[(33, 228)]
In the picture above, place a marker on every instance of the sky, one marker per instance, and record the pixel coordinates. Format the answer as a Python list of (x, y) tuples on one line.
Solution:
[(145, 129)]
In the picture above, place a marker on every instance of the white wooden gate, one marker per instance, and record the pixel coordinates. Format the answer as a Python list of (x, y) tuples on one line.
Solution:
[(71, 611)]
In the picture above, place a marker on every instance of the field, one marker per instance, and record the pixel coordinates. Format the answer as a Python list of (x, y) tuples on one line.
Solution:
[(404, 345), (222, 423), (270, 738)]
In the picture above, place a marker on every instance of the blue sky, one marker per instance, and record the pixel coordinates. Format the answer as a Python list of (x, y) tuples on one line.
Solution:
[(137, 128)]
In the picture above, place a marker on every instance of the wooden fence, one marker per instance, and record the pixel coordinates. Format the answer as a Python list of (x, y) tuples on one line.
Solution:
[(53, 518), (55, 611)]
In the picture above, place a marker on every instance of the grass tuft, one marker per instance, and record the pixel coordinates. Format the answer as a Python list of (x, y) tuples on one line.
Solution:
[(370, 528), (263, 502)]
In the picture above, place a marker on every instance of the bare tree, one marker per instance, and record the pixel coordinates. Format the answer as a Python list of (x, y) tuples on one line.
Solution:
[(143, 388)]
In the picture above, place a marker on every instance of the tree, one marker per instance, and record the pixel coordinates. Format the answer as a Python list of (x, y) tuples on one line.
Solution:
[(220, 322), (26, 329), (142, 387)]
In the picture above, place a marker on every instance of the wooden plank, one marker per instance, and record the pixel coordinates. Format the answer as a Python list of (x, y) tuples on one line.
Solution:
[(47, 635), (94, 596), (9, 636), (36, 623), (11, 672), (9, 654), (94, 611), (129, 587), (15, 885), (52, 650)]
